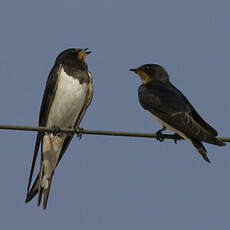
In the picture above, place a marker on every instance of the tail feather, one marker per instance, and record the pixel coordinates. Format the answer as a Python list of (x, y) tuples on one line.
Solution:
[(201, 149), (52, 150), (40, 196), (46, 194), (41, 187)]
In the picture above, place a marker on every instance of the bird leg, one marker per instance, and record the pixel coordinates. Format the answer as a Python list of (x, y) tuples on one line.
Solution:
[(159, 134), (177, 138), (80, 131)]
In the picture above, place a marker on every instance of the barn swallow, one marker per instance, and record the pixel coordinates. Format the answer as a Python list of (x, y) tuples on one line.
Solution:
[(172, 109), (68, 93)]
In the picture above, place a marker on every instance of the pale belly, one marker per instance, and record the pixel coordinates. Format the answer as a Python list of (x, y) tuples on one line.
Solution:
[(68, 102)]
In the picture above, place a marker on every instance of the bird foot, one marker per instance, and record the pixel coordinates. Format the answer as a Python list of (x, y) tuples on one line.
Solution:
[(80, 132), (160, 136), (177, 138), (55, 130)]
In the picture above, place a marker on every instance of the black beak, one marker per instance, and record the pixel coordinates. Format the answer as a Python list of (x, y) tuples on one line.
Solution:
[(87, 52), (133, 70)]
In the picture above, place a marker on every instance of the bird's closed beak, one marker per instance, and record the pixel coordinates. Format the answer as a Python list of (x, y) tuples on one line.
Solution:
[(133, 70)]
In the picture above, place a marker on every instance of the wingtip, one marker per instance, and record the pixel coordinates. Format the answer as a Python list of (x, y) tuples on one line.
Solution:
[(44, 206), (27, 200), (207, 160), (221, 143), (32, 192)]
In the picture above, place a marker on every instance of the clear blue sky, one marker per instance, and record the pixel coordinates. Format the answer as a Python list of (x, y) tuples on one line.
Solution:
[(113, 182)]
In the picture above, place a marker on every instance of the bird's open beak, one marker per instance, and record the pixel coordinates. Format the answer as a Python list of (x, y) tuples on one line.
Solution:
[(87, 51)]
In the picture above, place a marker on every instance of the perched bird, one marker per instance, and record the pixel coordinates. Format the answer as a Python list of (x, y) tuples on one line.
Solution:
[(172, 109), (68, 93)]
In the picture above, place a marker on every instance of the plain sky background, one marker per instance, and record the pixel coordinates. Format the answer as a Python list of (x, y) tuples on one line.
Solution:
[(111, 183)]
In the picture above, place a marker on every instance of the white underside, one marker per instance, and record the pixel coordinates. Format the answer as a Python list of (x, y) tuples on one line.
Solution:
[(169, 127), (68, 102)]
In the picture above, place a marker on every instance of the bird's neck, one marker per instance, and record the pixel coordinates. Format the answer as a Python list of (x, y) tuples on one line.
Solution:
[(157, 82)]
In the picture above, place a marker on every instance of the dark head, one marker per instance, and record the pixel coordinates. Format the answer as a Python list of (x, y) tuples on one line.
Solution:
[(151, 72), (72, 56)]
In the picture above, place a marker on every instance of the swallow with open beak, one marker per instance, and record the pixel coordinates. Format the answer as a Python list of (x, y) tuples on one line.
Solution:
[(68, 93)]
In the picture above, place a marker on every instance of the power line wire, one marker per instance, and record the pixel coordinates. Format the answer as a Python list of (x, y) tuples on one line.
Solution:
[(94, 132)]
